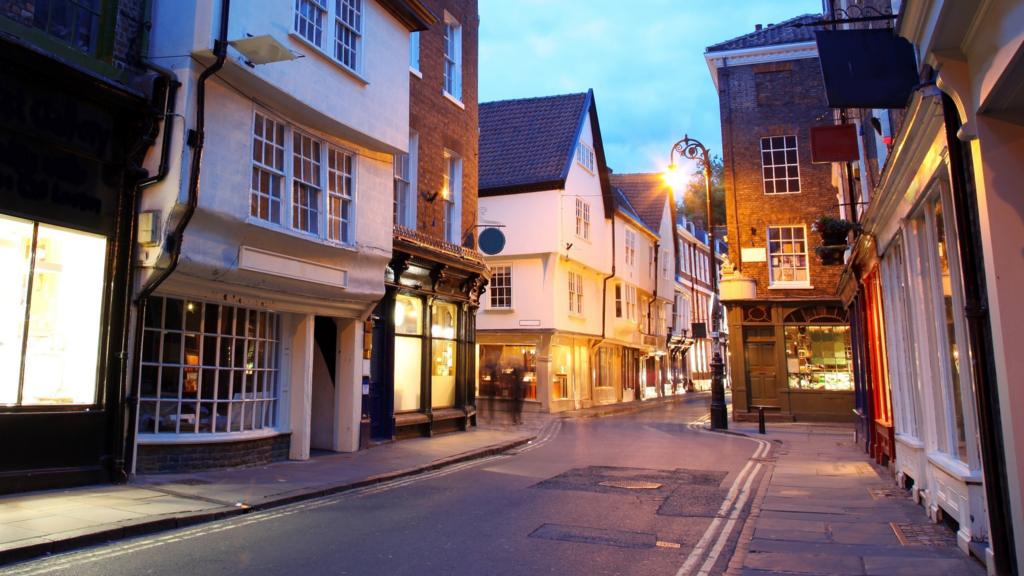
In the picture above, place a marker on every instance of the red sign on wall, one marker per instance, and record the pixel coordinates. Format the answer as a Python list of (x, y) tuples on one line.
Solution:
[(834, 144)]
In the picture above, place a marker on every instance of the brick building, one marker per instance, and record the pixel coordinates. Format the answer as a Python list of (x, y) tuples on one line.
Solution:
[(422, 377), (789, 341)]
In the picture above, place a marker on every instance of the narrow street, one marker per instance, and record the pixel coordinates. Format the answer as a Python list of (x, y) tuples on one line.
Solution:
[(630, 494)]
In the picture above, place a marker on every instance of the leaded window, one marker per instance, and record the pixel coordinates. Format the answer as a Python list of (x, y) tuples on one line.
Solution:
[(207, 368)]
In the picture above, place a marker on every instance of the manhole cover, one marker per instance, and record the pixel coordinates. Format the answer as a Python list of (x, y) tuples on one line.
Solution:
[(913, 534), (631, 484)]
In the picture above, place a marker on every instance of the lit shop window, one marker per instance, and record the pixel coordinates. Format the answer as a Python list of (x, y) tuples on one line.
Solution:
[(498, 367), (818, 358), (443, 328), (207, 368), (51, 295), (408, 351), (561, 365)]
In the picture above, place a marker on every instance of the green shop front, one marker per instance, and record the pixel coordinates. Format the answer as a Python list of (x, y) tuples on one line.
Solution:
[(793, 357)]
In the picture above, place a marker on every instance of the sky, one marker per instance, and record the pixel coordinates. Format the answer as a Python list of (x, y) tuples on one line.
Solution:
[(644, 60)]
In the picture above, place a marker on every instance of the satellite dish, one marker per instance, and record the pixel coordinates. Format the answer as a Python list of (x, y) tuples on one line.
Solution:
[(492, 241)]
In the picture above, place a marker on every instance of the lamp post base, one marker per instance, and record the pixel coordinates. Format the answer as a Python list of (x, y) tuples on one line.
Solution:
[(719, 411)]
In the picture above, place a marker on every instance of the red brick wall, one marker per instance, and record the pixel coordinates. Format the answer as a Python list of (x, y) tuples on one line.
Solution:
[(775, 99), (441, 123)]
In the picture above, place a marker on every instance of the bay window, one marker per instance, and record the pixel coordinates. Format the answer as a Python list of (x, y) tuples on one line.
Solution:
[(330, 216)]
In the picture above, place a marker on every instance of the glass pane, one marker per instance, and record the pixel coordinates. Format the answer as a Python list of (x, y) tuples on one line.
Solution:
[(960, 450), (15, 247), (64, 330), (443, 320), (408, 354), (442, 377), (147, 417), (408, 315)]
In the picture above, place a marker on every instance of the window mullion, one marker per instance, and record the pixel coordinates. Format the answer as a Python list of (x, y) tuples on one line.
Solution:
[(28, 312)]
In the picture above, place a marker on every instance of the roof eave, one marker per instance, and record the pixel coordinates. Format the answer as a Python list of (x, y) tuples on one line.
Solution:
[(522, 188)]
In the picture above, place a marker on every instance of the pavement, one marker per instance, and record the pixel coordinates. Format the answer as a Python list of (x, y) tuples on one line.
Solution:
[(46, 522), (825, 508)]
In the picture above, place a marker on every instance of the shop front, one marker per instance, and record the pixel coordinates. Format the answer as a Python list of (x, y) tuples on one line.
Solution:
[(795, 357), (424, 343), (67, 179)]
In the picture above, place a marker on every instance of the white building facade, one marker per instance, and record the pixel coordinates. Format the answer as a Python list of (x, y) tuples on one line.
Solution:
[(251, 338)]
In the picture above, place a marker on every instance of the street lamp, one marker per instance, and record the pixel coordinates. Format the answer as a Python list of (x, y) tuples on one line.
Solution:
[(693, 150)]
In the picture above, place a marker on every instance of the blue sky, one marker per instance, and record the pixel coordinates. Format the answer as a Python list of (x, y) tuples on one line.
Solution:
[(643, 58)]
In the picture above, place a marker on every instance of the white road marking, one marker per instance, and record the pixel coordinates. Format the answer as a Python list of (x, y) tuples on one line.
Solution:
[(730, 508)]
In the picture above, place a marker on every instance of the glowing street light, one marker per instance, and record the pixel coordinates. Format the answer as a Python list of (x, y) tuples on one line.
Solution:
[(693, 150)]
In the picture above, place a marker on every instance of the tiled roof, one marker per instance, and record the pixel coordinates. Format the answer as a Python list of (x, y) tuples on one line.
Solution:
[(772, 35), (623, 205), (646, 193), (529, 141)]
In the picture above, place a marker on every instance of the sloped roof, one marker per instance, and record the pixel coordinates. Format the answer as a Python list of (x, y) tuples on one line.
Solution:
[(772, 35), (529, 143), (625, 207), (647, 193)]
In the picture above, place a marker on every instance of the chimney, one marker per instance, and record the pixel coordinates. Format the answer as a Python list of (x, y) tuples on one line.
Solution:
[(757, 27)]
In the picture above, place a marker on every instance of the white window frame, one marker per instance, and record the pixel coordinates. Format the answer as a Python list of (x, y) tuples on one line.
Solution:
[(788, 152), (575, 293), (452, 85), (264, 172), (772, 282), (664, 264), (309, 182), (582, 219), (405, 191), (338, 21), (630, 247), (631, 303), (451, 196), (341, 166), (900, 339), (652, 256), (500, 287), (289, 180), (259, 404), (585, 156)]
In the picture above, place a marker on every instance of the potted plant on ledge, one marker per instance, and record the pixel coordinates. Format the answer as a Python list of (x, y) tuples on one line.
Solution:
[(834, 234)]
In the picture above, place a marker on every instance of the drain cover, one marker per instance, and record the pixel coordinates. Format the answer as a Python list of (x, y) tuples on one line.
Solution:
[(631, 484)]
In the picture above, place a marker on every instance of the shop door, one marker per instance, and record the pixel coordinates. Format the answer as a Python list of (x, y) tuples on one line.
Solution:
[(761, 371)]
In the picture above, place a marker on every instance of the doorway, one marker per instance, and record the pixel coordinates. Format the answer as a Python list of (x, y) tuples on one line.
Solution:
[(325, 352), (762, 366)]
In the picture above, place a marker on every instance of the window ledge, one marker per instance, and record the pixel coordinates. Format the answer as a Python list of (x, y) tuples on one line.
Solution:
[(453, 99), (271, 227), (578, 316), (955, 468), (415, 72), (206, 437), (323, 53), (791, 287), (500, 310), (909, 441)]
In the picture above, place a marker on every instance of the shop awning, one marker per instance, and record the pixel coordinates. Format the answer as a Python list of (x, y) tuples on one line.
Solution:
[(866, 68)]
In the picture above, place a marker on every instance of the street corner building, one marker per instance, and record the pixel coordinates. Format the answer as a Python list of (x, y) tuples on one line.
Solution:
[(790, 346), (79, 113), (263, 250), (424, 345), (577, 303)]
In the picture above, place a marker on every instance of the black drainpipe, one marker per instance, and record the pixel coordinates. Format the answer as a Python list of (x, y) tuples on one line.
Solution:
[(173, 242), (604, 286), (979, 336)]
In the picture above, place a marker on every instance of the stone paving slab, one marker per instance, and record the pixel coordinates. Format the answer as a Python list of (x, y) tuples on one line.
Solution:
[(818, 514)]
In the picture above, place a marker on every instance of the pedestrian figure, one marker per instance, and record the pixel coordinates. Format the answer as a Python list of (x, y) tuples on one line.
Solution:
[(518, 395)]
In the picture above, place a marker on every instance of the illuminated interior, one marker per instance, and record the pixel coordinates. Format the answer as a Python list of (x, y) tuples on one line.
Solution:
[(57, 275), (819, 358), (408, 351), (442, 366)]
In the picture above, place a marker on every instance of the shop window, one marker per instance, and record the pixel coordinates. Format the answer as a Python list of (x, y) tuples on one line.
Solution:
[(499, 365), (561, 367), (51, 296), (408, 352), (443, 331), (819, 358), (207, 368)]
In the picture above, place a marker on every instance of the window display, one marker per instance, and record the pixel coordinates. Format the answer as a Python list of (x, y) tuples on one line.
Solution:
[(818, 358), (443, 328), (51, 296), (408, 351), (498, 364)]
